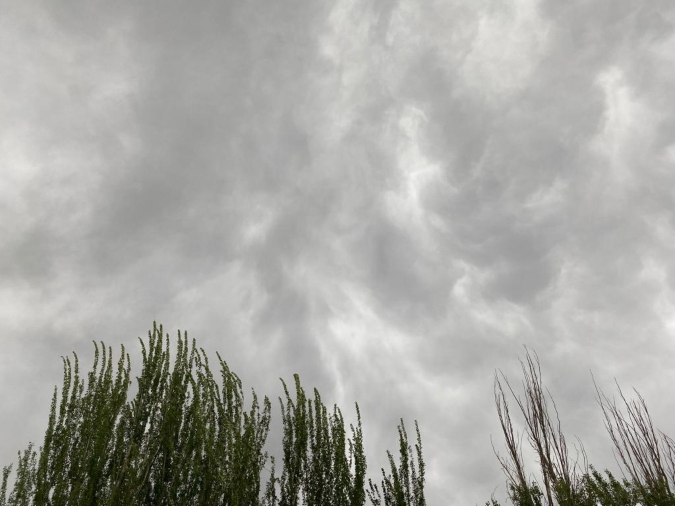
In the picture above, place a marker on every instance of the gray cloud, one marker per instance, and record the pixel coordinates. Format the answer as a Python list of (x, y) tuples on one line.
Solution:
[(389, 198)]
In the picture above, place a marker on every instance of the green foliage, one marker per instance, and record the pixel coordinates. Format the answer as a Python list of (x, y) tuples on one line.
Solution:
[(405, 485), (186, 439), (318, 469)]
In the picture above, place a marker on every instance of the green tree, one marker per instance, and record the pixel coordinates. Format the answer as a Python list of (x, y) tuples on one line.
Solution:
[(318, 467), (185, 439), (405, 485)]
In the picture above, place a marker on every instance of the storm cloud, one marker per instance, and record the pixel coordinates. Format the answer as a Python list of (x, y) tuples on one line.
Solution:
[(389, 198)]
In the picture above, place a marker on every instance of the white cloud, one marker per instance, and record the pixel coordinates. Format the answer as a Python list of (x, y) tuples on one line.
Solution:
[(509, 41), (348, 58), (625, 125), (415, 172)]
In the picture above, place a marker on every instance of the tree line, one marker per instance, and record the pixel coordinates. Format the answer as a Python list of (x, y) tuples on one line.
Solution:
[(187, 438)]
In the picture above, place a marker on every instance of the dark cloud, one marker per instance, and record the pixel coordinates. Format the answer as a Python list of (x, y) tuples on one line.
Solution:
[(389, 198)]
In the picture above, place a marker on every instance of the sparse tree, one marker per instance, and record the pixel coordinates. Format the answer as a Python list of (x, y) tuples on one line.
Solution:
[(647, 455)]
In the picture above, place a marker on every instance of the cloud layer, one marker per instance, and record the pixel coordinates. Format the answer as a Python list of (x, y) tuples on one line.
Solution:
[(389, 198)]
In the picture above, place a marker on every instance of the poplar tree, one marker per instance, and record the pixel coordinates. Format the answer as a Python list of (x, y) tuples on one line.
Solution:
[(646, 455), (186, 438)]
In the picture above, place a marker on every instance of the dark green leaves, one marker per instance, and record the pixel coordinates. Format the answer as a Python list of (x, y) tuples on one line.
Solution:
[(405, 485), (318, 468), (187, 439)]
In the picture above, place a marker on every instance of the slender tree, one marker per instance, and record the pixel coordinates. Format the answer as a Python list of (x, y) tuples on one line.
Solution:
[(319, 468), (647, 455), (405, 485), (186, 439)]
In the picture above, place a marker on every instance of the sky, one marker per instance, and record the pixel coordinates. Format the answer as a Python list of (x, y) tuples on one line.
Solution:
[(390, 198)]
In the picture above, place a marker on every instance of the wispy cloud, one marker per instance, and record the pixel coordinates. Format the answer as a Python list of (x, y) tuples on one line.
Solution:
[(389, 198)]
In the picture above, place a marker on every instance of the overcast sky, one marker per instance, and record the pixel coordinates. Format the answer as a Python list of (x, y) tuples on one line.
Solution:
[(387, 197)]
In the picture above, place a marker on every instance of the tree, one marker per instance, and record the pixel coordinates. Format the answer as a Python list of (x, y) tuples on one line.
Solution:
[(405, 485), (648, 458), (184, 439)]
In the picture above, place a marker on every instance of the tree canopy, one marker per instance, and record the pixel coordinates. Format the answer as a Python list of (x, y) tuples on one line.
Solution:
[(188, 439)]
